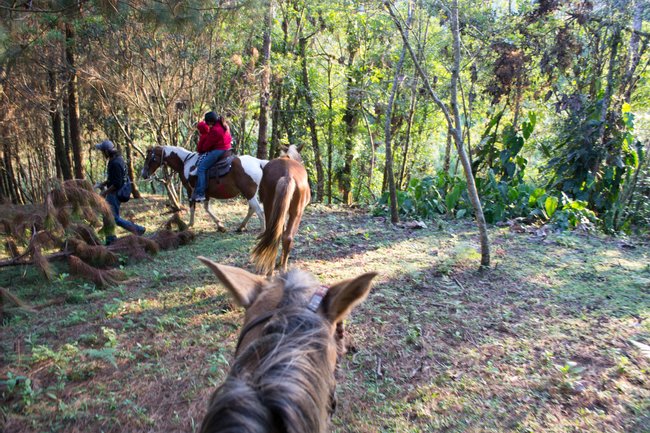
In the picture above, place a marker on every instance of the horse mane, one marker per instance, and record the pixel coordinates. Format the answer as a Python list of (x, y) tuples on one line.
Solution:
[(282, 381), (180, 150)]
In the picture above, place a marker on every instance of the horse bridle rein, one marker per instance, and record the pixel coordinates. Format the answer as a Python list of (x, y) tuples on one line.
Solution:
[(313, 305), (162, 157)]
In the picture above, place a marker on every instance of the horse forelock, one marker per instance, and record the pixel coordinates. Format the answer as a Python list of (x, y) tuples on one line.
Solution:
[(287, 368), (297, 284)]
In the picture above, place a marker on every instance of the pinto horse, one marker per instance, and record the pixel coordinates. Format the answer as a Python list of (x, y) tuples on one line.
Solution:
[(243, 178), (282, 379), (284, 191)]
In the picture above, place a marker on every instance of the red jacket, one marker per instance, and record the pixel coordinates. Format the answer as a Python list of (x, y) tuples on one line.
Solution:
[(213, 138)]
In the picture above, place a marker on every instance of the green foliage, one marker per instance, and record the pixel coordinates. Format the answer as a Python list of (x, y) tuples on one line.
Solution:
[(428, 197), (500, 152), (583, 169), (572, 214), (106, 354), (17, 386)]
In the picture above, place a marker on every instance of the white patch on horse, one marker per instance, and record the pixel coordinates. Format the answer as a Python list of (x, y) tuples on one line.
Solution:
[(253, 167), (185, 155)]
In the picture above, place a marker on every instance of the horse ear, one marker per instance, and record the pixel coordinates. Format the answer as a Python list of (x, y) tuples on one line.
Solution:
[(284, 148), (342, 297), (299, 148), (243, 285)]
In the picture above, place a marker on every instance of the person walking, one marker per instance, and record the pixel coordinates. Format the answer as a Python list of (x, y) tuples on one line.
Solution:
[(116, 176)]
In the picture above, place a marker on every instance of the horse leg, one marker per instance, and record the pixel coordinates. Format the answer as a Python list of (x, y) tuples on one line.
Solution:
[(192, 209), (242, 226), (253, 207), (220, 227), (287, 239)]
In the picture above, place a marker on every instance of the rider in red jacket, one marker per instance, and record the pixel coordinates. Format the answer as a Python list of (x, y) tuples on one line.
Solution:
[(215, 140), (213, 137)]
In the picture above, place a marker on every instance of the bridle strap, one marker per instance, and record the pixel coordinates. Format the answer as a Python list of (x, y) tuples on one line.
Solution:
[(314, 304), (252, 324)]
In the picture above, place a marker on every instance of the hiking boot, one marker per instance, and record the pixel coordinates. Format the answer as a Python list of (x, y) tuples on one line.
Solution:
[(199, 198), (110, 240), (140, 231)]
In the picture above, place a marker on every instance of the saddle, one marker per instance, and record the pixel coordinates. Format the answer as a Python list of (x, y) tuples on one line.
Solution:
[(220, 168)]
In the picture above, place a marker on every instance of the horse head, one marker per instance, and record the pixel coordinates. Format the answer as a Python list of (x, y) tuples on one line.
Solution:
[(292, 152), (282, 378), (152, 161)]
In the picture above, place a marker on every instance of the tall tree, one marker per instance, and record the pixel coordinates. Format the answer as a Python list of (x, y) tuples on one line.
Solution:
[(73, 102), (352, 106), (62, 161), (394, 216), (311, 119), (265, 87), (453, 118)]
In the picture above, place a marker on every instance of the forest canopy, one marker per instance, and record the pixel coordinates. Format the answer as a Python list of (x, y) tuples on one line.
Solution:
[(551, 98)]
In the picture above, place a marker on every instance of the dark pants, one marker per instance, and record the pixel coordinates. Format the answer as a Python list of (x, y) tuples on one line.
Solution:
[(202, 172), (115, 207)]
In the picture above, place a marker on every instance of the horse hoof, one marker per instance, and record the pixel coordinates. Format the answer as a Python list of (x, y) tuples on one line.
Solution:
[(241, 229), (221, 229)]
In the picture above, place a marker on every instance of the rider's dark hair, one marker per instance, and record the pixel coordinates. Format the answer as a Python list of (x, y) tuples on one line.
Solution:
[(211, 117)]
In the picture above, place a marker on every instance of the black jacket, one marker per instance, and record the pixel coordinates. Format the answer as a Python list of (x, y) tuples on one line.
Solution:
[(116, 172)]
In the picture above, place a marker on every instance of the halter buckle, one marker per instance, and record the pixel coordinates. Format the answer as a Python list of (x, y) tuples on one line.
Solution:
[(317, 298)]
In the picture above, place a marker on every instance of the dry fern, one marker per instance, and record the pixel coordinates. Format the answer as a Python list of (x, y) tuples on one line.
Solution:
[(176, 220), (40, 261), (12, 248), (132, 247), (9, 301), (84, 233), (96, 255), (166, 239), (186, 236), (100, 277)]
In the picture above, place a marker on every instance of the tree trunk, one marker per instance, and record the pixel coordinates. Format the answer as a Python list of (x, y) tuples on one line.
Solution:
[(288, 117), (62, 161), (11, 178), (634, 56), (262, 140), (311, 121), (454, 124), (394, 215), (275, 118), (373, 157), (458, 135), (5, 195), (330, 129), (409, 127), (607, 97), (73, 103), (129, 155), (351, 116), (445, 166)]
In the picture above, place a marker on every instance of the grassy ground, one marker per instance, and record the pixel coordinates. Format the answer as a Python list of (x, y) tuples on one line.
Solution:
[(540, 342)]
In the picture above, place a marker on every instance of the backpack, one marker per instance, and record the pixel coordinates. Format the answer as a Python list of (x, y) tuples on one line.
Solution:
[(124, 193)]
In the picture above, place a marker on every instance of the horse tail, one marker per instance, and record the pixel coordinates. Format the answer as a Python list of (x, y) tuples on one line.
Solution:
[(266, 250)]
